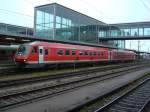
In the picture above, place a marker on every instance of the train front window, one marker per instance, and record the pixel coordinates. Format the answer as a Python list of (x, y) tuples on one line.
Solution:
[(23, 49), (34, 50)]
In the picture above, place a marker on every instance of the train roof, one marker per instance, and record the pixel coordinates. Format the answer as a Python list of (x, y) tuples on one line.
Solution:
[(60, 45), (74, 46)]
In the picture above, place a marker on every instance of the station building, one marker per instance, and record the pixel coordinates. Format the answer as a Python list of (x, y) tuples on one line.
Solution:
[(54, 21)]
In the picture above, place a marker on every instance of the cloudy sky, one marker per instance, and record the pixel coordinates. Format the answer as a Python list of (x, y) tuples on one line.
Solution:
[(21, 12)]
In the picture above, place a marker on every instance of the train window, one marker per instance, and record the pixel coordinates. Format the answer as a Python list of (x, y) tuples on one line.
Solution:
[(94, 53), (80, 53), (23, 49), (73, 52), (90, 53), (98, 53), (60, 52), (86, 53), (46, 51), (67, 52)]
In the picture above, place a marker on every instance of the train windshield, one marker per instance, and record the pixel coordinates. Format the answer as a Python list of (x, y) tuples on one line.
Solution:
[(23, 49)]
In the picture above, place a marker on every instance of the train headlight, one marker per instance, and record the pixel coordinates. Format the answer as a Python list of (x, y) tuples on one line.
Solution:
[(24, 60)]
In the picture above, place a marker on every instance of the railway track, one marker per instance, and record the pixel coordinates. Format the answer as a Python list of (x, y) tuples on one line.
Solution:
[(4, 71), (14, 82), (11, 97), (133, 100)]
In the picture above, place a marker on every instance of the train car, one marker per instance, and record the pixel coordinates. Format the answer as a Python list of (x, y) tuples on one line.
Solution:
[(7, 52), (122, 55), (41, 53)]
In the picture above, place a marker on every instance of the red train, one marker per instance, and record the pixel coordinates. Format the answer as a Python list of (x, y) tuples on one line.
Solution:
[(51, 53)]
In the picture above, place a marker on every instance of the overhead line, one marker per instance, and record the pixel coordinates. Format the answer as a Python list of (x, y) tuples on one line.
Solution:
[(16, 13), (147, 8), (89, 4)]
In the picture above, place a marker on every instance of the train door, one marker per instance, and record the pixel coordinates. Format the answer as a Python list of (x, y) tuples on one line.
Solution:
[(41, 54)]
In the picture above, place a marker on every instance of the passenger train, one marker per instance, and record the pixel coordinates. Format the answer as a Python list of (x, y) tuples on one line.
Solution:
[(43, 53)]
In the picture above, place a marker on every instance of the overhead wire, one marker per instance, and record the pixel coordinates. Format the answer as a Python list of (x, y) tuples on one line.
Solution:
[(96, 9), (145, 5), (18, 13)]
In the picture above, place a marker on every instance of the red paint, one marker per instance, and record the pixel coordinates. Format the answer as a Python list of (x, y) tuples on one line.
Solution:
[(54, 56)]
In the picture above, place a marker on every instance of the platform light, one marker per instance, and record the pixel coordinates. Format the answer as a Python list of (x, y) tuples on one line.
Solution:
[(10, 38), (25, 40)]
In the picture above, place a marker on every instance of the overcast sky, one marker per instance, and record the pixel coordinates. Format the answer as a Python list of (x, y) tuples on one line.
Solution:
[(108, 11), (21, 12)]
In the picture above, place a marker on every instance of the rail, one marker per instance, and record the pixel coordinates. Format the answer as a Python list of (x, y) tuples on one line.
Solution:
[(128, 101), (12, 97)]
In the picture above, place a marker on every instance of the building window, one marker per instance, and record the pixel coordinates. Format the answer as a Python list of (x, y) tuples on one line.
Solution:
[(141, 32), (58, 25), (58, 19), (64, 21), (44, 23), (146, 31), (134, 32)]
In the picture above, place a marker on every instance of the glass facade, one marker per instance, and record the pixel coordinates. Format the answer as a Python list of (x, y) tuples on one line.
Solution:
[(146, 31), (74, 26), (58, 22), (54, 21), (44, 21), (133, 29)]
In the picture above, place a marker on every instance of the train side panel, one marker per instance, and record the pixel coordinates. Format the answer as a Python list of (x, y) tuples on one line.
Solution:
[(57, 53)]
